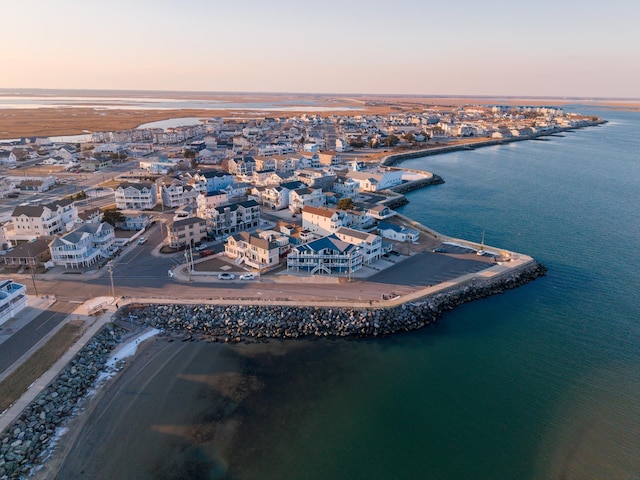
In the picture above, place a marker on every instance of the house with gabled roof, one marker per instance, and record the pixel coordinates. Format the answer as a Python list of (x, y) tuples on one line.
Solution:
[(136, 196), (29, 254), (242, 165), (7, 157), (253, 251), (83, 247), (328, 255), (372, 245), (32, 221), (302, 197), (175, 192), (321, 220), (398, 232), (215, 179)]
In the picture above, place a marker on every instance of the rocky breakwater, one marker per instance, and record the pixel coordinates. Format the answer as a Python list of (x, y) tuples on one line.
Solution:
[(233, 323), (23, 443)]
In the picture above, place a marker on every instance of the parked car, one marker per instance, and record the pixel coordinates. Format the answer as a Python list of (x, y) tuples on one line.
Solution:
[(247, 276), (142, 240), (226, 276)]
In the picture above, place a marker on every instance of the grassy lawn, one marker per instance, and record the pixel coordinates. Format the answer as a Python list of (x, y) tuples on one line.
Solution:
[(12, 387)]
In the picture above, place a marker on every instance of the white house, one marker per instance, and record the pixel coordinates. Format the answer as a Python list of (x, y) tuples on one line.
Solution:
[(31, 221), (302, 197), (212, 199), (13, 299), (136, 196), (322, 221), (7, 157), (398, 232), (371, 244), (84, 246), (175, 193), (346, 187), (277, 197), (254, 251), (376, 180), (327, 255)]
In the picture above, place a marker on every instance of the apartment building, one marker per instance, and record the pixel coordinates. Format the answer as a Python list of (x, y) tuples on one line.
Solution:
[(232, 218), (186, 232)]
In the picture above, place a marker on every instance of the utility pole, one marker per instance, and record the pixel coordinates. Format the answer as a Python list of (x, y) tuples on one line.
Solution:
[(33, 279)]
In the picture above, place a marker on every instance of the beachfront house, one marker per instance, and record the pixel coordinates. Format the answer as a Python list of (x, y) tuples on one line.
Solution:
[(328, 255), (13, 299), (84, 246), (372, 246), (322, 221), (398, 232), (253, 251)]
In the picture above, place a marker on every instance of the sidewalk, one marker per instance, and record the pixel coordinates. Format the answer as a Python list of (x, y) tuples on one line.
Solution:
[(95, 324)]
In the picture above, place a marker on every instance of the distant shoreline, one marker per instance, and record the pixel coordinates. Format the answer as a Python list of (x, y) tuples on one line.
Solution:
[(80, 118), (397, 158)]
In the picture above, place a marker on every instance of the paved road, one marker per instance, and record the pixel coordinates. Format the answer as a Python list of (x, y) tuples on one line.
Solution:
[(25, 338)]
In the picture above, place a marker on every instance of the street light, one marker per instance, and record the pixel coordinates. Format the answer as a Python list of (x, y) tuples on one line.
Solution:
[(110, 270)]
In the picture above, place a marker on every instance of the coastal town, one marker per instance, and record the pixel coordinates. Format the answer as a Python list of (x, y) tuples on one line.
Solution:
[(289, 191), (230, 229)]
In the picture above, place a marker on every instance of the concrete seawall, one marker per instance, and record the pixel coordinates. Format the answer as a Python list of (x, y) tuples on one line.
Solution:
[(233, 322)]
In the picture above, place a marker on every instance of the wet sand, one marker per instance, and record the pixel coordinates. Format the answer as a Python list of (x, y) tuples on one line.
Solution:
[(173, 408)]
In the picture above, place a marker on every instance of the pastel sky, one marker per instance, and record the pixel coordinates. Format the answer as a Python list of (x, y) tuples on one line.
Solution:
[(465, 47)]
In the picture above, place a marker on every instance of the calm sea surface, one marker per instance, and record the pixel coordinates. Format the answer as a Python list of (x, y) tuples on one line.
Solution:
[(542, 382)]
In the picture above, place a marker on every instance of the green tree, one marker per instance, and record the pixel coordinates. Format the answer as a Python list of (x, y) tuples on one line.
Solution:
[(81, 195), (409, 137), (112, 216), (346, 203), (390, 141), (357, 142)]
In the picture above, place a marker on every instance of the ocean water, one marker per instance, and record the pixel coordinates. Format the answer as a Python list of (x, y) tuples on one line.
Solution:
[(542, 382)]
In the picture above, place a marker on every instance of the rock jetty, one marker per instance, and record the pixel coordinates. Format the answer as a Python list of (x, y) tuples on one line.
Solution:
[(23, 444), (233, 323)]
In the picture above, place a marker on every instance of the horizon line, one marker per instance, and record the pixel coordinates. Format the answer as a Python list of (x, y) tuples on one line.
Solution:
[(21, 90)]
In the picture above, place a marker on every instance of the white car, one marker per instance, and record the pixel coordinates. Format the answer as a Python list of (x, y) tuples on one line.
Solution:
[(247, 276), (142, 240), (226, 276)]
